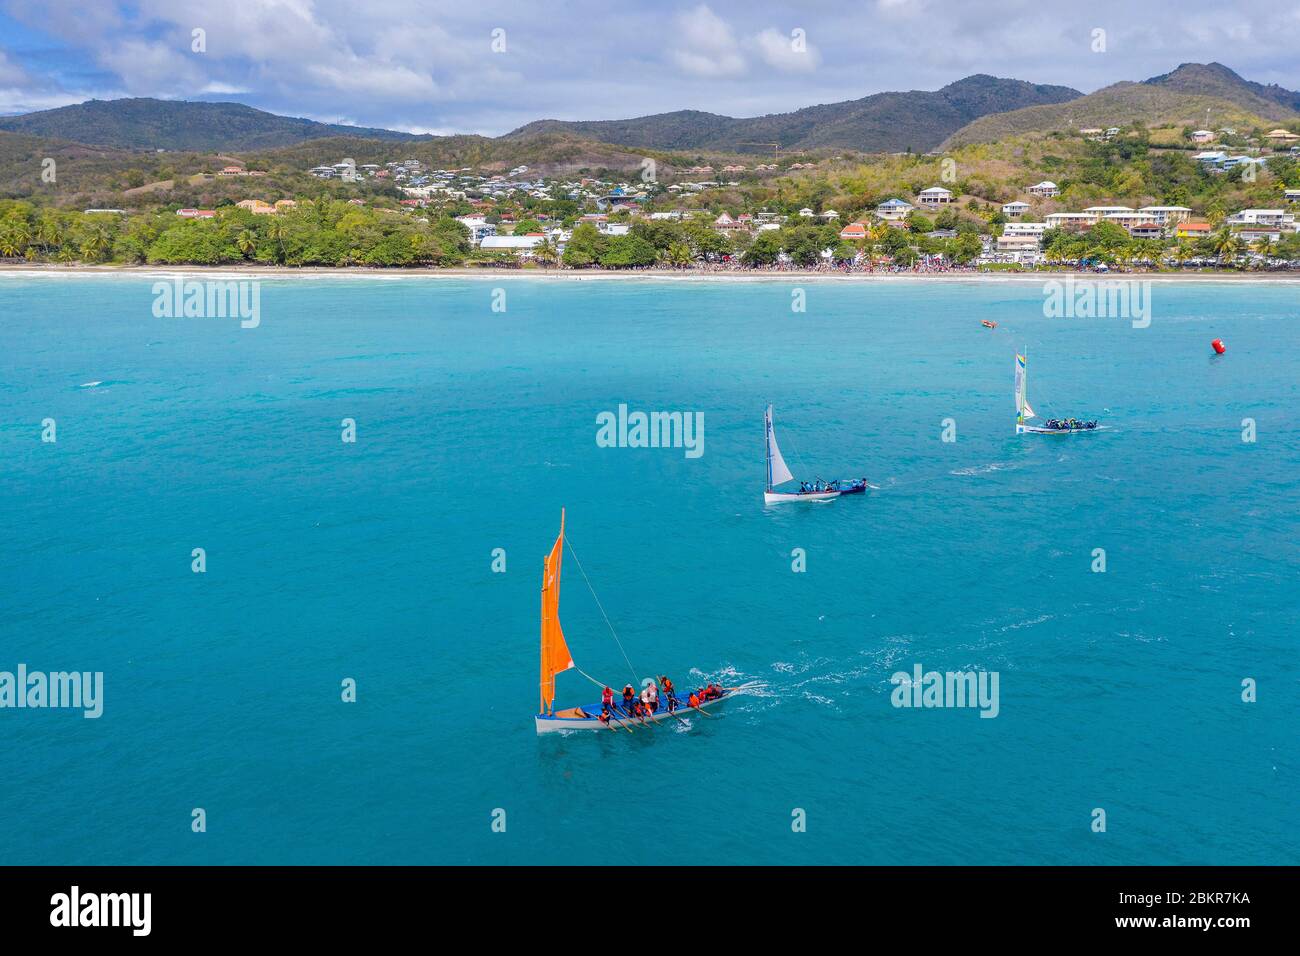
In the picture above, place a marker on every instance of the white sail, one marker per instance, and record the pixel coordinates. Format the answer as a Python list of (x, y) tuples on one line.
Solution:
[(1022, 389), (777, 472)]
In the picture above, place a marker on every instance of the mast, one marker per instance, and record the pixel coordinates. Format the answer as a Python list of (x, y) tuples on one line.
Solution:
[(767, 435)]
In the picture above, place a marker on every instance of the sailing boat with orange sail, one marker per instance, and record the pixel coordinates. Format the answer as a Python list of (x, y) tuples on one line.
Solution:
[(556, 659)]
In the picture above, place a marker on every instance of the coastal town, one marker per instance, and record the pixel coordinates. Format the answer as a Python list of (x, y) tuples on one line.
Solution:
[(732, 217)]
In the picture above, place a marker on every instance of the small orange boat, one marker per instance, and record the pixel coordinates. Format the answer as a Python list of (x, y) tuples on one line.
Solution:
[(987, 324)]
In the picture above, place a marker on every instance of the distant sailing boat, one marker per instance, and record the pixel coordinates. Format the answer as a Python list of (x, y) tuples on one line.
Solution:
[(556, 659), (779, 474), (1052, 426)]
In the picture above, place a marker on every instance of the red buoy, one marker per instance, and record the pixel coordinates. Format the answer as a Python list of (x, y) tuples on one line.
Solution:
[(1218, 346)]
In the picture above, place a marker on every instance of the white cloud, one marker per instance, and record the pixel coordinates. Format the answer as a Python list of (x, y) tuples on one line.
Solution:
[(703, 44), (790, 54)]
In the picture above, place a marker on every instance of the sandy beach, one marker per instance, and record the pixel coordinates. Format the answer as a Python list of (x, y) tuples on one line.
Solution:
[(574, 275)]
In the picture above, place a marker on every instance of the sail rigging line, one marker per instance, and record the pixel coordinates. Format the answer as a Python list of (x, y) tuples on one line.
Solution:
[(578, 561)]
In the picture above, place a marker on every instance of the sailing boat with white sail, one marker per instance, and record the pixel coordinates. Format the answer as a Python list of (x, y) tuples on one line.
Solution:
[(556, 659), (817, 490), (1053, 426)]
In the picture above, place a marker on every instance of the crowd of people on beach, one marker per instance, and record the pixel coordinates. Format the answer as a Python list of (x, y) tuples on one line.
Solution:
[(644, 706)]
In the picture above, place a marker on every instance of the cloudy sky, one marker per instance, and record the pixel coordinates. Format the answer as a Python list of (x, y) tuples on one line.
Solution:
[(487, 66)]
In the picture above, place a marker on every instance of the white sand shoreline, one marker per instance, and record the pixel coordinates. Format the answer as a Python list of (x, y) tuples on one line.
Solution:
[(27, 270)]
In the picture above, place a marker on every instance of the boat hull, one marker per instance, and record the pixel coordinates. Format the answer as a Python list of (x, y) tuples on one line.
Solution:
[(554, 725), (775, 498), (1037, 430)]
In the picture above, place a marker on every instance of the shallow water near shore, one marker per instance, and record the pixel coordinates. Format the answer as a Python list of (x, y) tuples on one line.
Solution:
[(372, 561)]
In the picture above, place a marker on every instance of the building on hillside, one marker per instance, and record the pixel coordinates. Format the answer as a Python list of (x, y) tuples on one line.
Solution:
[(1273, 218), (1044, 190), (1015, 209), (934, 196), (1017, 243), (1291, 195), (1024, 229), (1146, 230), (1192, 230), (853, 231), (1166, 215), (1203, 136), (893, 210), (1282, 136), (1070, 221), (196, 213), (256, 206)]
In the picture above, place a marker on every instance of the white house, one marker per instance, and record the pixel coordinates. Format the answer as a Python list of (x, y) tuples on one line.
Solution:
[(1166, 215), (479, 228), (1015, 209), (1262, 217), (519, 245), (893, 210), (1070, 220), (1045, 190), (1292, 195), (1203, 136), (1024, 229), (1099, 211), (934, 196)]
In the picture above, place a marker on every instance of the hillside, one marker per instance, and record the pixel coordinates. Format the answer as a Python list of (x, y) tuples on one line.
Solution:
[(180, 126), (1214, 79), (884, 122), (549, 154), (1117, 105)]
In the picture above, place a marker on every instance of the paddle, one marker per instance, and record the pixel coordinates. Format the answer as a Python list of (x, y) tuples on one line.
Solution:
[(620, 723)]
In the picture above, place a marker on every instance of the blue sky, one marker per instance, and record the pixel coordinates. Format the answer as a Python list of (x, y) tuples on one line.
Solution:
[(430, 66)]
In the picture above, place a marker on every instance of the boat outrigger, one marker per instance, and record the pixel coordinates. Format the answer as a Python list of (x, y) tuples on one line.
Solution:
[(815, 490), (1052, 426), (556, 659)]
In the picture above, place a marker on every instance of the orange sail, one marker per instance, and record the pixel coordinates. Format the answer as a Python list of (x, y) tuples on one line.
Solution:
[(555, 652)]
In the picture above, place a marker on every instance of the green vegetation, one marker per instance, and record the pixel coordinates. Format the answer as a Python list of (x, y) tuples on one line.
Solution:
[(318, 234)]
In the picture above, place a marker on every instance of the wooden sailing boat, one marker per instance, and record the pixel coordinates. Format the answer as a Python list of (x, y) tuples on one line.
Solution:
[(1023, 412), (556, 659), (778, 474)]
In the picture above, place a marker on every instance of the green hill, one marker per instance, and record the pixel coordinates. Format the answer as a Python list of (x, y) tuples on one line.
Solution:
[(1214, 79), (180, 126), (1117, 105), (885, 122)]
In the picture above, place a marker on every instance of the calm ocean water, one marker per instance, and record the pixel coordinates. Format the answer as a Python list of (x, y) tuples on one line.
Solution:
[(372, 560)]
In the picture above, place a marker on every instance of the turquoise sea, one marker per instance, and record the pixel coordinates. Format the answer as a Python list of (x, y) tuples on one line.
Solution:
[(326, 560)]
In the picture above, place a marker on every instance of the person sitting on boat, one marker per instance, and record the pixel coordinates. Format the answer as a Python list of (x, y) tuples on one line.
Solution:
[(694, 700), (605, 715), (650, 698), (670, 692), (629, 697)]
